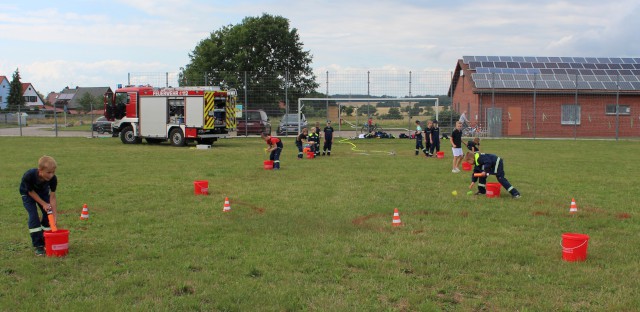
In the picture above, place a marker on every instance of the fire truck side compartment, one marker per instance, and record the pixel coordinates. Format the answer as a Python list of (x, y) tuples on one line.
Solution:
[(194, 114), (154, 123)]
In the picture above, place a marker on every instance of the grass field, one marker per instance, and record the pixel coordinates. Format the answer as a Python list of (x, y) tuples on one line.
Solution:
[(317, 235)]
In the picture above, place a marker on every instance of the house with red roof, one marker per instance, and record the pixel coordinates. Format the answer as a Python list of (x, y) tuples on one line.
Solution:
[(5, 86), (32, 99)]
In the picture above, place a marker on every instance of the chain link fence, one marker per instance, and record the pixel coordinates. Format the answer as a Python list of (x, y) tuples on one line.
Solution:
[(571, 106)]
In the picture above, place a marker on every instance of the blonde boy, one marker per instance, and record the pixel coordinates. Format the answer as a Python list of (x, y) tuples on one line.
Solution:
[(38, 190), (456, 147)]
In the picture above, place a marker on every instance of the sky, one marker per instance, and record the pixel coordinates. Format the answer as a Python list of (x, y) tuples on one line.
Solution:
[(94, 43)]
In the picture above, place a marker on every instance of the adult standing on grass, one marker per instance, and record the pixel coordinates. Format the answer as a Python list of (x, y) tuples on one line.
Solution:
[(275, 148), (38, 190), (489, 164), (328, 139), (456, 147)]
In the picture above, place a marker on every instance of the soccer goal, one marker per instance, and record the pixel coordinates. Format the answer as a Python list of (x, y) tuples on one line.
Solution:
[(334, 108)]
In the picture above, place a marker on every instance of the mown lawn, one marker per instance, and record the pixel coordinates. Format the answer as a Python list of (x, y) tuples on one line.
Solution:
[(317, 234)]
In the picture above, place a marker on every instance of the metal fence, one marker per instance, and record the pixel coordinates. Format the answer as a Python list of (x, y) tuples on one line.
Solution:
[(531, 106), (280, 97)]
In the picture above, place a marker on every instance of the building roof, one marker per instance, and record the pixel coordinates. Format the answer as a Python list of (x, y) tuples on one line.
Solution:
[(51, 97), (608, 74), (25, 86), (3, 78), (71, 97)]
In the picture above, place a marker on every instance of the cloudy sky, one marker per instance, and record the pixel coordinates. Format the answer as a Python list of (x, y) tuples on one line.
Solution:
[(96, 43)]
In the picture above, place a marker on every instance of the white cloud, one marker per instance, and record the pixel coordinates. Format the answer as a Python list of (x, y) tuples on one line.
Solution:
[(64, 44)]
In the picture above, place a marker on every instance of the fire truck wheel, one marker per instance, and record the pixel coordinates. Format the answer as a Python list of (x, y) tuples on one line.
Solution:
[(177, 137), (128, 137)]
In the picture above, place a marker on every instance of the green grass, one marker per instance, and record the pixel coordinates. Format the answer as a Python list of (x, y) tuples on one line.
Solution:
[(317, 234)]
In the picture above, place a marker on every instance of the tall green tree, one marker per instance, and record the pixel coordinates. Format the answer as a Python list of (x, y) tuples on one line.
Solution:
[(266, 48), (88, 101), (15, 100)]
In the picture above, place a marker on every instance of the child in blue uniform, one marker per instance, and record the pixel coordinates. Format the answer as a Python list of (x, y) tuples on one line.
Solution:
[(38, 190), (435, 138), (489, 164), (474, 145), (301, 139), (275, 148), (427, 138), (418, 135), (328, 139)]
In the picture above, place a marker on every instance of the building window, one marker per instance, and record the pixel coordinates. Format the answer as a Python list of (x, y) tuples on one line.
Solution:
[(570, 114), (30, 99), (623, 109)]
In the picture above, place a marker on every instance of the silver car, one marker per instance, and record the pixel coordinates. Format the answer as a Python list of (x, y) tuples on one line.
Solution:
[(290, 123)]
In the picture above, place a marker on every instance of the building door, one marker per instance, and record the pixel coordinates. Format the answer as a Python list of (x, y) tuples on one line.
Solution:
[(514, 126), (494, 122)]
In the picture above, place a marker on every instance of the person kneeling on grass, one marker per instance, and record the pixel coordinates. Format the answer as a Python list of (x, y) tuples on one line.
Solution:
[(489, 164), (275, 148)]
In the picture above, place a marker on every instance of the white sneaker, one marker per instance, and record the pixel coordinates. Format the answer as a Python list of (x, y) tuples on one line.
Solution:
[(454, 170)]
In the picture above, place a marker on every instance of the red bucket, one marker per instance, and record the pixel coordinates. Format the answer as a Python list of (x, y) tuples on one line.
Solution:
[(440, 154), (466, 166), (311, 155), (201, 187), (56, 244), (268, 164), (574, 246), (493, 189)]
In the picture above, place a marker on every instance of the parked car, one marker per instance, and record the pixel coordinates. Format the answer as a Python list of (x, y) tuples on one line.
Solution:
[(102, 125), (253, 122), (289, 124)]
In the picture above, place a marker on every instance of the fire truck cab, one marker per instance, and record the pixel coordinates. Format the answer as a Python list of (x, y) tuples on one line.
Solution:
[(180, 115)]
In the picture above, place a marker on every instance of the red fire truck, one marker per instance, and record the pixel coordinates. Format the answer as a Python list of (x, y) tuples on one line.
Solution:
[(180, 115)]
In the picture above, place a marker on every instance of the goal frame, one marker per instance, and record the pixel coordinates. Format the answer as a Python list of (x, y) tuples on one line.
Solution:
[(411, 99)]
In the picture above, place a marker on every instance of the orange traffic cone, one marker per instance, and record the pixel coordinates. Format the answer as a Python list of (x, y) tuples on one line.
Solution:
[(227, 206), (396, 218), (573, 208), (85, 213)]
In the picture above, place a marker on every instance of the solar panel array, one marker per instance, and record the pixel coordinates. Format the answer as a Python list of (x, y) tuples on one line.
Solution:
[(527, 72)]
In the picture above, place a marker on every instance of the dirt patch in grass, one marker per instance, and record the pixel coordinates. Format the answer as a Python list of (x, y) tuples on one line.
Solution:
[(623, 215), (256, 208), (362, 220), (540, 213)]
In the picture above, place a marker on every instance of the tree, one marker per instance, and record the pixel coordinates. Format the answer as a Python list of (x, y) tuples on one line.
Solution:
[(348, 110), (394, 113), (366, 109), (264, 48), (15, 101), (88, 101)]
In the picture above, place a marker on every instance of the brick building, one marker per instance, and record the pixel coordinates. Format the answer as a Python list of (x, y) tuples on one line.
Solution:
[(515, 96)]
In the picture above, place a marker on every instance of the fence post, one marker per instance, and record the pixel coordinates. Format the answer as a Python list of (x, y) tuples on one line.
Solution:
[(327, 104), (617, 106), (534, 104), (575, 112)]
